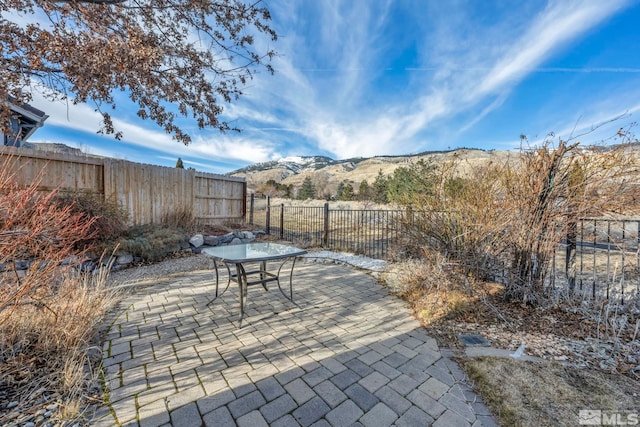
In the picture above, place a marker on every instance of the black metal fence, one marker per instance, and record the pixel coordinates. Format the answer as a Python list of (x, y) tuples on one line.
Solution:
[(601, 258), (361, 231)]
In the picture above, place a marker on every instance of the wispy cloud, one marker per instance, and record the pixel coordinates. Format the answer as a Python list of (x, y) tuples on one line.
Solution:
[(558, 24), (327, 91)]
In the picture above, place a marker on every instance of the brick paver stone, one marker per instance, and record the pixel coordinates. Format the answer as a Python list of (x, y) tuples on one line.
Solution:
[(278, 408), (345, 414), (379, 416), (186, 416), (252, 419), (311, 411)]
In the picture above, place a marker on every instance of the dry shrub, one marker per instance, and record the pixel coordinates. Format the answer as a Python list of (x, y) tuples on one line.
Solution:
[(180, 217), (109, 219), (547, 192), (616, 335), (37, 230), (435, 287), (504, 220), (48, 312), (457, 216)]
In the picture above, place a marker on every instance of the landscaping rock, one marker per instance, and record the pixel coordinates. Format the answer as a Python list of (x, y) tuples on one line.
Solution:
[(87, 266), (211, 240), (226, 238), (124, 259), (197, 240), (235, 241)]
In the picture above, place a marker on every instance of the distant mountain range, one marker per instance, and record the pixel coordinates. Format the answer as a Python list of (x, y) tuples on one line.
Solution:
[(327, 173), (52, 147)]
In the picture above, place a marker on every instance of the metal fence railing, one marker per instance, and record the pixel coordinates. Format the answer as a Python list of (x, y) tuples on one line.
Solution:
[(361, 231), (601, 259)]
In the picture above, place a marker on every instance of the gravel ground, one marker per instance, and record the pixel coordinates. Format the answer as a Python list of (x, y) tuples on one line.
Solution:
[(168, 267), (195, 262)]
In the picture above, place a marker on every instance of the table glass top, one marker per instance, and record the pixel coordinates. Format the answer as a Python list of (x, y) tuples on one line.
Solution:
[(253, 252)]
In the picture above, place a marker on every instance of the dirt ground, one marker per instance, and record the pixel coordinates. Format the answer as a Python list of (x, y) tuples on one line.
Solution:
[(585, 364)]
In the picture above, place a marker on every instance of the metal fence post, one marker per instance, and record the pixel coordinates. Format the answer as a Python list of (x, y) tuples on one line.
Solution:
[(570, 254), (281, 221), (268, 216), (325, 236), (251, 205)]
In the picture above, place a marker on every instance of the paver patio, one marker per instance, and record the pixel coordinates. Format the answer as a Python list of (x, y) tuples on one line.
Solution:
[(346, 353)]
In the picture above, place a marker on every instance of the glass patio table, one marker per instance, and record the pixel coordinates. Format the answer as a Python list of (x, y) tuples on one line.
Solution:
[(255, 255)]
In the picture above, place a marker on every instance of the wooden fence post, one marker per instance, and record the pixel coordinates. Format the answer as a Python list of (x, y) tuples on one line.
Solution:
[(325, 236), (268, 215)]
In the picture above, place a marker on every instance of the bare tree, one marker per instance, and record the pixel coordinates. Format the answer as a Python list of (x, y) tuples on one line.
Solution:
[(174, 58)]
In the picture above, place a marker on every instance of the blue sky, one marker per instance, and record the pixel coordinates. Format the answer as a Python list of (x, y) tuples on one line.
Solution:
[(371, 77)]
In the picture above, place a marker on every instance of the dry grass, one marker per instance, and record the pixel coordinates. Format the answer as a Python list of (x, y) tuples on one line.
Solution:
[(547, 394), (49, 347), (437, 289), (180, 217)]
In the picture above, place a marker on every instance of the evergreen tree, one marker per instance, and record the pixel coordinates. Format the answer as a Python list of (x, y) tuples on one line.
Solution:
[(407, 183), (364, 191), (307, 190), (339, 191), (379, 190), (347, 193)]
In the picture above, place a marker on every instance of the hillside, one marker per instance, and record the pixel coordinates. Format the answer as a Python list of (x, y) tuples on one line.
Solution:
[(327, 173)]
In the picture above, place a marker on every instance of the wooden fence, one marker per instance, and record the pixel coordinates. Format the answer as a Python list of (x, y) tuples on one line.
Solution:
[(145, 192)]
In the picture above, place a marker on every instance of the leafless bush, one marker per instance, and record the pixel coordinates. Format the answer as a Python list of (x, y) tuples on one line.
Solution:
[(37, 230), (109, 219), (503, 220)]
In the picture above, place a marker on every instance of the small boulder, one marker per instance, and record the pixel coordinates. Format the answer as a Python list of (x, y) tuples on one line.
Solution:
[(235, 241), (226, 238), (124, 259), (197, 240), (211, 240)]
